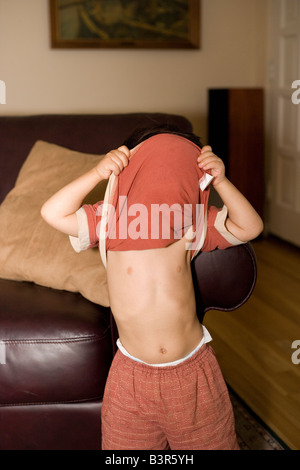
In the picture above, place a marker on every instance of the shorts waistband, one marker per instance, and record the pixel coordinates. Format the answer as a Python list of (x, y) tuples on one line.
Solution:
[(205, 339)]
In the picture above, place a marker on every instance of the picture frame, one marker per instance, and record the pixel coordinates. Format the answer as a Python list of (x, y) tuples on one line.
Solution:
[(148, 24)]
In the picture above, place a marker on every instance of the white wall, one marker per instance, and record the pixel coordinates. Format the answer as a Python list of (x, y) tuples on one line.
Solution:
[(44, 80)]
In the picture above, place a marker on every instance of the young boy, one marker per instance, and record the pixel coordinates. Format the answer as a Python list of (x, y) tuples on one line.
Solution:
[(165, 389)]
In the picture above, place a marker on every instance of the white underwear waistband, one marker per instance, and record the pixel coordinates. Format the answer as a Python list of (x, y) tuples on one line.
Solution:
[(206, 339)]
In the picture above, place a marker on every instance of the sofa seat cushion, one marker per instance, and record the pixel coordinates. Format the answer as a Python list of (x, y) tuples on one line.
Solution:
[(55, 346), (62, 426)]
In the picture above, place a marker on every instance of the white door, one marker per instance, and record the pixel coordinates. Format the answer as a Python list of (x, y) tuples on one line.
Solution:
[(284, 119)]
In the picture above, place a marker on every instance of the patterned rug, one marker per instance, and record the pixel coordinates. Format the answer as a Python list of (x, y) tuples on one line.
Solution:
[(252, 433)]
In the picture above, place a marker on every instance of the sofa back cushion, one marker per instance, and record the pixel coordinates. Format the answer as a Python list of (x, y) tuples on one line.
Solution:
[(96, 134), (33, 251)]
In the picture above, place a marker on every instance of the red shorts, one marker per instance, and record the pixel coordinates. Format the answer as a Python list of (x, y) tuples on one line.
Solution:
[(180, 407)]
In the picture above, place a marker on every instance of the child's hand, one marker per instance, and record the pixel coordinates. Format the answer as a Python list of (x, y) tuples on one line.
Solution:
[(114, 162), (209, 161)]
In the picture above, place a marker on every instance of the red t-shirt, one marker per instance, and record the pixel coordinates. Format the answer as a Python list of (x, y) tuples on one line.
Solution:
[(156, 199)]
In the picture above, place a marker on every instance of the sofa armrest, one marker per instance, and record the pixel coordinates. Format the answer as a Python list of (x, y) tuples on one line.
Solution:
[(224, 279)]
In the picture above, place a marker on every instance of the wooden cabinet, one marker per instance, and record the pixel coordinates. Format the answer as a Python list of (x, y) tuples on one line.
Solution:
[(236, 134)]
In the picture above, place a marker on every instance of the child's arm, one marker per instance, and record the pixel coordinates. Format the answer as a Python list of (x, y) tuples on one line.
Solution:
[(60, 210), (243, 221)]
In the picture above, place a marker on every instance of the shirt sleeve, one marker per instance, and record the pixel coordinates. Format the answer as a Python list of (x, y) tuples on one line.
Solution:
[(217, 235), (88, 219)]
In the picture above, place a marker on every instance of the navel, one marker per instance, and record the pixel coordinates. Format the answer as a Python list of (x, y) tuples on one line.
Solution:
[(163, 351), (129, 270), (178, 269)]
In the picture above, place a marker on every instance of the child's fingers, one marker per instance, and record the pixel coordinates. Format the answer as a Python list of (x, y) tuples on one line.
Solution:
[(210, 163), (120, 155), (125, 150), (205, 158), (117, 164), (204, 155), (208, 158), (123, 154), (112, 166), (206, 148), (119, 158)]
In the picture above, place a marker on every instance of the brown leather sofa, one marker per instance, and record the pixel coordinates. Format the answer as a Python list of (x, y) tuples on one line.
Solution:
[(59, 345)]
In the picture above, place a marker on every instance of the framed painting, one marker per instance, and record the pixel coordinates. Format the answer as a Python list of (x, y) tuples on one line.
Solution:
[(125, 23)]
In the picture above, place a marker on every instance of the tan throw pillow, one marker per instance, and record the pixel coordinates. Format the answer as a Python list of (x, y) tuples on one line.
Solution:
[(31, 250)]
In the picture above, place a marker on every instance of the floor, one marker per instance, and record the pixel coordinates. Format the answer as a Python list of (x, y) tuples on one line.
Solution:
[(254, 343)]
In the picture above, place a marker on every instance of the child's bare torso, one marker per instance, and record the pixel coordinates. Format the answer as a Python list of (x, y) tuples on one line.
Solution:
[(153, 302)]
